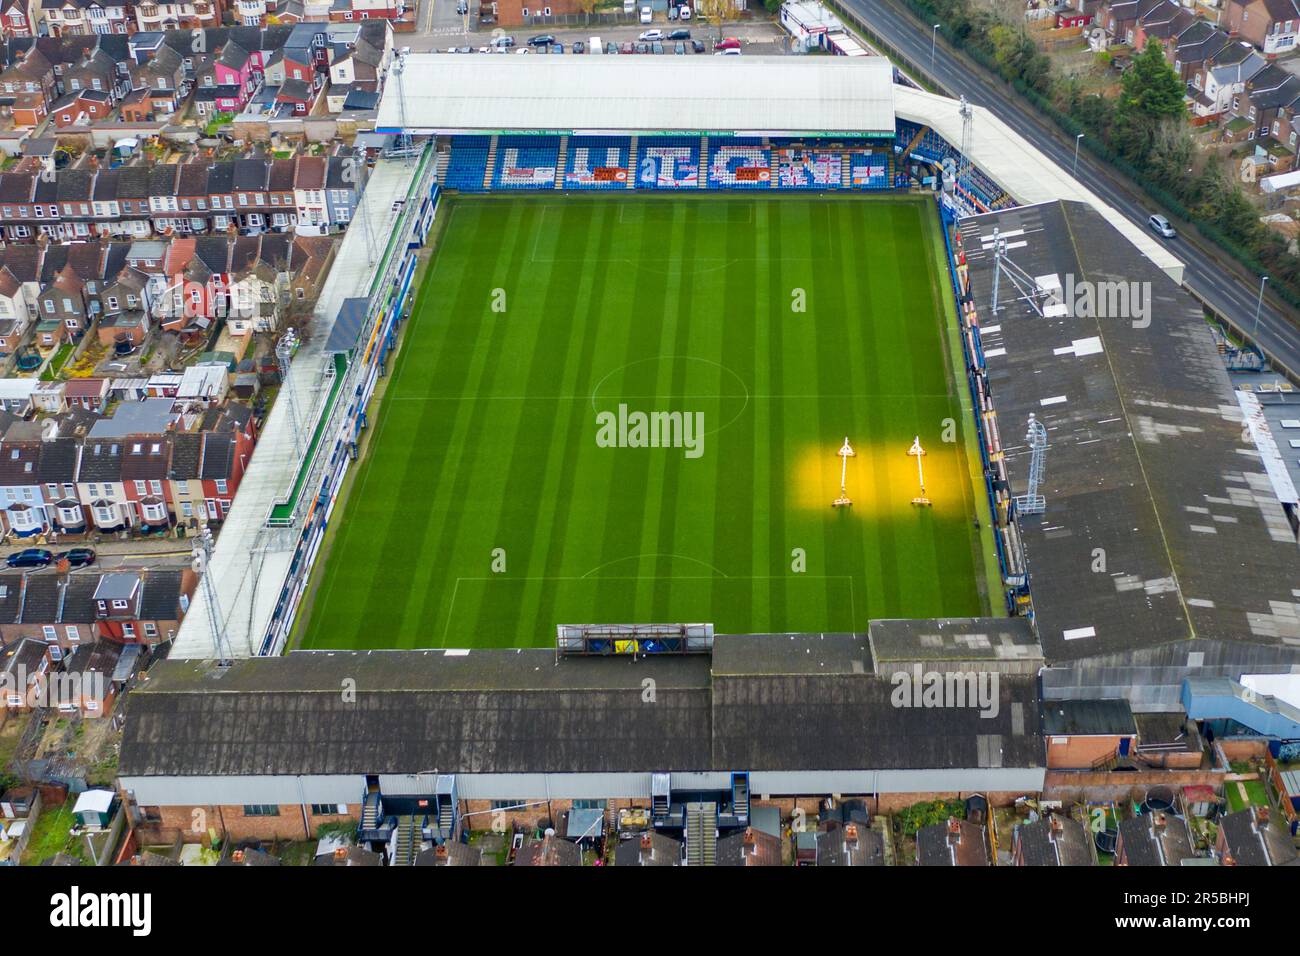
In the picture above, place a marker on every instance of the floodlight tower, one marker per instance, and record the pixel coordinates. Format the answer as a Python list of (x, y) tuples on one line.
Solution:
[(918, 453), (967, 136), (1032, 502), (201, 561), (846, 452)]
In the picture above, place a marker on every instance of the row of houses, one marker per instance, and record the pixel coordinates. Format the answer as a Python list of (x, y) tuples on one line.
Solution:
[(125, 290), (31, 18), (79, 79), (45, 617), (1226, 67), (150, 465)]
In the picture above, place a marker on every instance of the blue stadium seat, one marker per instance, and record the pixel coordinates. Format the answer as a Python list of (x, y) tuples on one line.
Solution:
[(526, 162), (739, 162), (598, 162), (468, 164)]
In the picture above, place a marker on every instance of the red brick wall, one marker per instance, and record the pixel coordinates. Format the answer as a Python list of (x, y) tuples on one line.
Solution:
[(196, 822)]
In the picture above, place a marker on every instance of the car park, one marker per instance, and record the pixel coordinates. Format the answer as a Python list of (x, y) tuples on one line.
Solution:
[(679, 49), (643, 48), (30, 558), (1160, 226), (627, 47), (730, 43)]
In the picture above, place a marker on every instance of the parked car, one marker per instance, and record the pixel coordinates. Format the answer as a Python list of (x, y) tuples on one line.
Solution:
[(651, 35), (647, 15), (697, 46), (558, 48), (679, 49), (579, 46), (544, 39), (1160, 226), (503, 42), (684, 12), (30, 558), (729, 43), (643, 48), (656, 48), (611, 47), (729, 51), (78, 557), (679, 35), (627, 47)]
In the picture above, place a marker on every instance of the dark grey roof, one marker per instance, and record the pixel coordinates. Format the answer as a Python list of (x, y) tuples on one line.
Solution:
[(41, 599), (954, 843), (506, 711), (517, 711), (840, 846), (1155, 839), (1146, 459), (1256, 842), (1000, 639), (1088, 718), (1055, 840), (161, 598)]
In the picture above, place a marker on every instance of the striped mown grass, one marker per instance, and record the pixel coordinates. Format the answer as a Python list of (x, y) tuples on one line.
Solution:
[(485, 510)]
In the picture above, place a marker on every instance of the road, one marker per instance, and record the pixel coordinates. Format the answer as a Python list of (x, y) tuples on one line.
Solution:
[(1222, 286)]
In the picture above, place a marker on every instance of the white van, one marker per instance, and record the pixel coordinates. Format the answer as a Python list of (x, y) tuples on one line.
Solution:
[(685, 12), (647, 15), (594, 45)]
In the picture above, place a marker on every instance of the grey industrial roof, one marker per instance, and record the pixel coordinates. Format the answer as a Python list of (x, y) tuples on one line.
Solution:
[(502, 711), (1146, 467), (795, 95), (954, 639), (1088, 718)]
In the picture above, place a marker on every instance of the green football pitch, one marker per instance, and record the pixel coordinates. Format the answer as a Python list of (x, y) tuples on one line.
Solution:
[(516, 476)]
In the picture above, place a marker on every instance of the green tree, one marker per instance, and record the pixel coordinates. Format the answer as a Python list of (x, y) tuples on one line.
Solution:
[(1151, 93)]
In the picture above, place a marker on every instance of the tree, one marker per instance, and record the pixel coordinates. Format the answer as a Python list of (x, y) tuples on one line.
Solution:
[(1151, 93), (588, 7), (714, 11)]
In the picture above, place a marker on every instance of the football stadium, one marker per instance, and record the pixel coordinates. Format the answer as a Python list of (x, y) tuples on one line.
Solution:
[(605, 358), (745, 404)]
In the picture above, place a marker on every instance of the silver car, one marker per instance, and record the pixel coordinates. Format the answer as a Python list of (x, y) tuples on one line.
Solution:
[(1160, 226)]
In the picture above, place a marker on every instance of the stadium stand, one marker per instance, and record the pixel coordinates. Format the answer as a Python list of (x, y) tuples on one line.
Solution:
[(598, 162), (668, 162), (467, 164), (740, 163), (526, 162), (522, 162)]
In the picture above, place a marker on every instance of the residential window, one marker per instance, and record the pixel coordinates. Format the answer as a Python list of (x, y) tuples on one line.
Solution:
[(221, 486), (150, 629), (50, 632), (120, 605), (73, 634)]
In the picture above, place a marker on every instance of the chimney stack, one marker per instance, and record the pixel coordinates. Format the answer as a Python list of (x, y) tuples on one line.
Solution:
[(851, 834), (340, 854), (751, 844)]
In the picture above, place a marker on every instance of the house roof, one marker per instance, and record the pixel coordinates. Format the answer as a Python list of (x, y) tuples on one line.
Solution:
[(1155, 839), (954, 843), (1254, 839), (1054, 840)]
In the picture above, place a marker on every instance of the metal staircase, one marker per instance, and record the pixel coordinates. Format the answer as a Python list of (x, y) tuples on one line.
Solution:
[(920, 135), (408, 840), (701, 834), (446, 820), (740, 796)]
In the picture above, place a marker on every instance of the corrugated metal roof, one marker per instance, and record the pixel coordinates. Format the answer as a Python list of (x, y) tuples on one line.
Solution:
[(795, 95)]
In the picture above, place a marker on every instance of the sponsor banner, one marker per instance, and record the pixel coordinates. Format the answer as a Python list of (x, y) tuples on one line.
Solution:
[(542, 174), (610, 174), (753, 174)]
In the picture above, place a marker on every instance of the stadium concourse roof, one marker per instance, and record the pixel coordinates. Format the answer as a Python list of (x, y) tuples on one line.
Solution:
[(1019, 168), (800, 96)]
